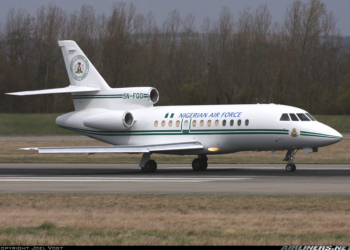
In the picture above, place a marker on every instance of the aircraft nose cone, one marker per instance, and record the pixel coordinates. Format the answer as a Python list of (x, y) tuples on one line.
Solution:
[(324, 135), (334, 135), (338, 135)]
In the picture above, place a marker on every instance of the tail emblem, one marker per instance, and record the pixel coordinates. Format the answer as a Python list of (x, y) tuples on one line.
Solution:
[(79, 67)]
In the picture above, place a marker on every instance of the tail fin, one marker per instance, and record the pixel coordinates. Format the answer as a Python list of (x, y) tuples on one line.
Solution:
[(80, 70), (82, 74)]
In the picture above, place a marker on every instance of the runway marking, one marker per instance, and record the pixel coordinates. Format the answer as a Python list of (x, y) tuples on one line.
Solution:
[(98, 179)]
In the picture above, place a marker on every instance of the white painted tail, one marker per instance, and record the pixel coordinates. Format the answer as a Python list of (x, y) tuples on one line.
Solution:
[(80, 70)]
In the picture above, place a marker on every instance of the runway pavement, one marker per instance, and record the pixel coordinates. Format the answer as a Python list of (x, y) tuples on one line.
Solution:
[(234, 179)]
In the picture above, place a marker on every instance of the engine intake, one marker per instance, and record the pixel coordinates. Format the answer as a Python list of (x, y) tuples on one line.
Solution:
[(110, 120)]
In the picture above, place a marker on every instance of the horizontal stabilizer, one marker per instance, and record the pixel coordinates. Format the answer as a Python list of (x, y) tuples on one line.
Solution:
[(69, 89), (122, 149)]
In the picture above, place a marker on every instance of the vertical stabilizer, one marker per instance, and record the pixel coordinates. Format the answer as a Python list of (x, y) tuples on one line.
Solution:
[(80, 70)]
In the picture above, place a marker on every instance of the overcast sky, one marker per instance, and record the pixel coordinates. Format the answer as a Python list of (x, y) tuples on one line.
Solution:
[(199, 8)]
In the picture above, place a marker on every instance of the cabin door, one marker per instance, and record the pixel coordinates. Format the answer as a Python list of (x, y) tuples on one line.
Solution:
[(186, 125)]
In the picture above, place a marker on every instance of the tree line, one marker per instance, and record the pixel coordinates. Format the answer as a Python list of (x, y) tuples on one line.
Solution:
[(233, 60)]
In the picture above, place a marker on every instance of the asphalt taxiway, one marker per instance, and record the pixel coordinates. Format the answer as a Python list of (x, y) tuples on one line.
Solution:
[(233, 179)]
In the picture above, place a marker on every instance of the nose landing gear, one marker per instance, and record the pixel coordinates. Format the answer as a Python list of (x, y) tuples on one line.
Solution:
[(291, 168), (289, 157)]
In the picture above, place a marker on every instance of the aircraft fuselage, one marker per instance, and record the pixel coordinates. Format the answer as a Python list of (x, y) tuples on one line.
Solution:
[(220, 129)]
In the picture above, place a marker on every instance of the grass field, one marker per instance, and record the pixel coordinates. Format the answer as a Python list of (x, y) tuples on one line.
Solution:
[(44, 124), (30, 124), (341, 123), (70, 219), (337, 153)]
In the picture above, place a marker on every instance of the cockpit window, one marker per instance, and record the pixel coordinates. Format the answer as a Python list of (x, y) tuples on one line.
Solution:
[(303, 118), (293, 117), (310, 116), (284, 117)]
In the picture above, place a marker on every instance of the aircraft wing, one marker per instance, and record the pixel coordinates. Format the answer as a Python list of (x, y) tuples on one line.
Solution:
[(122, 149)]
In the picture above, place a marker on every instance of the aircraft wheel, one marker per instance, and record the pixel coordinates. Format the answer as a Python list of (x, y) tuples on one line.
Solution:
[(150, 167), (199, 165), (204, 165), (196, 164), (291, 168), (294, 168)]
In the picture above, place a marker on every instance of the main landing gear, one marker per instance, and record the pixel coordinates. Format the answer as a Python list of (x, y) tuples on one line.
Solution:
[(150, 166), (147, 165), (200, 163), (289, 157)]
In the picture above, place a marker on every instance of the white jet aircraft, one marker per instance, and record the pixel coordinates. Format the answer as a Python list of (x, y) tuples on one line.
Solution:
[(127, 119)]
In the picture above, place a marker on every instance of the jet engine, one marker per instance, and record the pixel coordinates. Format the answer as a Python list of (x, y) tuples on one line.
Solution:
[(110, 120)]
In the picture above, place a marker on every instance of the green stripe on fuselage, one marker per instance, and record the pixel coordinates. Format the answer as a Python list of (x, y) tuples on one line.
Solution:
[(304, 133), (179, 132)]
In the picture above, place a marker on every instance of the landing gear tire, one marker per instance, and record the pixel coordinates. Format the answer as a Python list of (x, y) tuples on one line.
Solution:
[(150, 167), (290, 157), (199, 164), (291, 168)]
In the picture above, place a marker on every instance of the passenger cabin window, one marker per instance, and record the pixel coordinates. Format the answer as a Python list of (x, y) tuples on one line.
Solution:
[(194, 123), (284, 117), (163, 123), (310, 116), (224, 123), (201, 123), (239, 122), (231, 123), (216, 123), (170, 123), (303, 118), (156, 123), (246, 122), (209, 123), (293, 117), (177, 123)]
